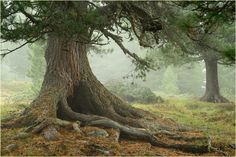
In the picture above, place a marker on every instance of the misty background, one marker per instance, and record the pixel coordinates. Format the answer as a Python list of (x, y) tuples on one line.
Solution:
[(111, 65)]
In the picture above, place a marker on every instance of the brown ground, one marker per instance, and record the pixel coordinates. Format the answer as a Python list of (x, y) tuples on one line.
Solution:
[(72, 143)]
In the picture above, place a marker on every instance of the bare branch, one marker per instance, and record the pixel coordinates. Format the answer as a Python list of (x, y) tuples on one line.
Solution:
[(12, 50), (118, 41)]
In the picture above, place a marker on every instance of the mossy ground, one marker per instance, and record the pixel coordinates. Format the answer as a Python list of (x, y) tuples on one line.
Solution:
[(215, 120)]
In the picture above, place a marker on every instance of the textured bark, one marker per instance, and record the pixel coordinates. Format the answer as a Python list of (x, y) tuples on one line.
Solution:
[(91, 97), (212, 93), (69, 78), (70, 92)]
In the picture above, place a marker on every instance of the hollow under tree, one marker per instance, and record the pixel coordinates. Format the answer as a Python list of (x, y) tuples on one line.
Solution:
[(70, 91)]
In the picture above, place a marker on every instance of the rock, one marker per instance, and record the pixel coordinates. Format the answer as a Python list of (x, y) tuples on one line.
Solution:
[(22, 135), (50, 134), (232, 146), (11, 147), (76, 127), (117, 135), (98, 133), (97, 148)]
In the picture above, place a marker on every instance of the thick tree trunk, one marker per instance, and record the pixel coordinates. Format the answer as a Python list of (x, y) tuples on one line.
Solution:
[(70, 92), (212, 93), (69, 81)]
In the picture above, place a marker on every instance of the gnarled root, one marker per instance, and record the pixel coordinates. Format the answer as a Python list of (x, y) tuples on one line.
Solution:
[(214, 98), (48, 127), (133, 133)]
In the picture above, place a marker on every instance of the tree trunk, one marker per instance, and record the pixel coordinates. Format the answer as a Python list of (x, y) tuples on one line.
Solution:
[(70, 87), (212, 93), (70, 92)]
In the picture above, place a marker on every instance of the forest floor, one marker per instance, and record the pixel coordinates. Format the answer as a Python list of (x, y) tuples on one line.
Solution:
[(206, 119)]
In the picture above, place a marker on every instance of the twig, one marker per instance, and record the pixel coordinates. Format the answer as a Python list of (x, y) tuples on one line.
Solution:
[(10, 51), (118, 41)]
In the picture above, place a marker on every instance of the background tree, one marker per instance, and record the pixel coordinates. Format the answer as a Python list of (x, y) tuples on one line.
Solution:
[(203, 32), (169, 81), (17, 64), (37, 66)]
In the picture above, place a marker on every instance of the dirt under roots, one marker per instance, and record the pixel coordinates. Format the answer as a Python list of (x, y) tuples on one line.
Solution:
[(72, 97), (158, 136)]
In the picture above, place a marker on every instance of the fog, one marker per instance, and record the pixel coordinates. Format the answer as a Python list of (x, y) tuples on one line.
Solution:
[(115, 66)]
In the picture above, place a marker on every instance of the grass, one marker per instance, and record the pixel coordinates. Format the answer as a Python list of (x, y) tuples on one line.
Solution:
[(15, 95), (214, 119)]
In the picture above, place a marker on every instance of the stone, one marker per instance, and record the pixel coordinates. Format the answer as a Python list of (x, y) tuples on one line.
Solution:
[(50, 134), (97, 148), (117, 135), (22, 135), (98, 133), (11, 147), (76, 127), (232, 146)]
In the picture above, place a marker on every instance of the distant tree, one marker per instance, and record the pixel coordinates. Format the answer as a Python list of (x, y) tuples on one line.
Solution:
[(17, 63), (169, 81), (203, 31), (191, 78), (38, 65)]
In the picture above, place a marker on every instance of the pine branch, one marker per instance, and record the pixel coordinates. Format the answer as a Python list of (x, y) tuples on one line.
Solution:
[(118, 41)]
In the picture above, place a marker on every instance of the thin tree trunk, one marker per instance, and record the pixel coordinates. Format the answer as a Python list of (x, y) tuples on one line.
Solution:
[(212, 93)]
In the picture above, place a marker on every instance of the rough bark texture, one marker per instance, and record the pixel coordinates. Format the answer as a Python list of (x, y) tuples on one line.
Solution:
[(212, 93), (69, 80), (70, 92)]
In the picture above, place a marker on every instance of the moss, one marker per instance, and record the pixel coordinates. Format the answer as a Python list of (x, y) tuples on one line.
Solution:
[(216, 120)]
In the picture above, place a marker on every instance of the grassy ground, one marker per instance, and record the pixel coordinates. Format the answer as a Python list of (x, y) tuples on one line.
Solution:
[(215, 120), (15, 95)]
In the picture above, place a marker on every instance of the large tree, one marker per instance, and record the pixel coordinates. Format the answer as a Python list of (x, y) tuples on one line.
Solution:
[(70, 91)]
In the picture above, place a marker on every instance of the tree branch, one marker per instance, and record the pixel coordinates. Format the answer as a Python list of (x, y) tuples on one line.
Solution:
[(12, 50), (118, 41)]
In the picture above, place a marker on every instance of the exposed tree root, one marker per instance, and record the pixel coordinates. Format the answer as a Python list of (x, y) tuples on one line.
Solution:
[(214, 98), (134, 133), (48, 128)]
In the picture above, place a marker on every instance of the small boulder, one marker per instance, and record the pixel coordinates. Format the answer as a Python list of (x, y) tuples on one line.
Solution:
[(98, 148), (22, 135), (76, 127), (11, 147), (51, 134), (232, 146), (98, 133)]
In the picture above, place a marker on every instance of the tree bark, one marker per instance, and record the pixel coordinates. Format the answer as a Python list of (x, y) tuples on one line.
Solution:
[(69, 78), (70, 92), (212, 92)]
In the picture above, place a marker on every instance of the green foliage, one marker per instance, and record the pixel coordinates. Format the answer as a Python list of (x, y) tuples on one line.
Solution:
[(95, 18), (169, 81), (37, 67), (133, 93)]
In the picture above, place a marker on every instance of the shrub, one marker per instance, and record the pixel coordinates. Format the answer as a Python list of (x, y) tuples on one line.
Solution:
[(133, 93)]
